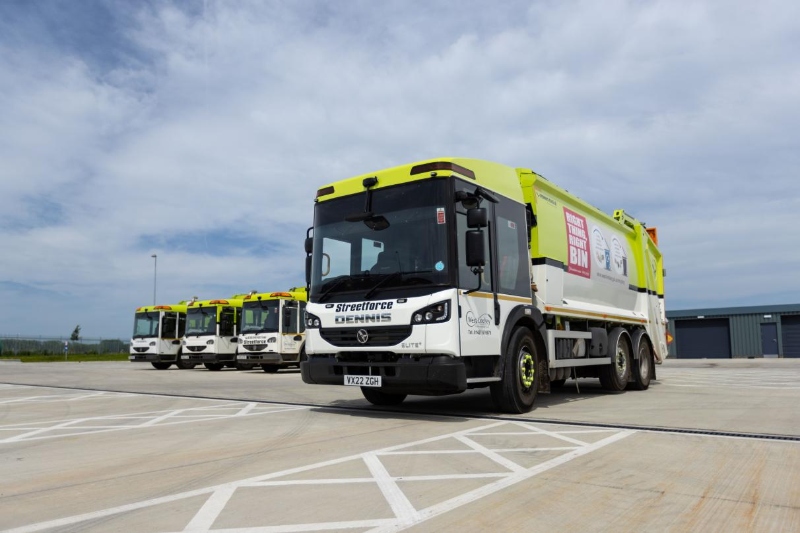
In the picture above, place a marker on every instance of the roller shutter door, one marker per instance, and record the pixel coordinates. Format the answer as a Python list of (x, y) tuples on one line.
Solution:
[(790, 335), (703, 339)]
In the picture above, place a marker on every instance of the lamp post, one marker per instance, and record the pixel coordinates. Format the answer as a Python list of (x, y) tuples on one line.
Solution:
[(155, 276)]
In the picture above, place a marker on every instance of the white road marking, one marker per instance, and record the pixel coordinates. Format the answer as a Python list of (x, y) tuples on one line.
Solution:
[(85, 425), (406, 515), (398, 501)]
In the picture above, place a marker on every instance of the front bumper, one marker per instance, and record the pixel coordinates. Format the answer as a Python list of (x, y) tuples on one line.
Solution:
[(200, 358), (261, 358), (152, 358), (432, 375)]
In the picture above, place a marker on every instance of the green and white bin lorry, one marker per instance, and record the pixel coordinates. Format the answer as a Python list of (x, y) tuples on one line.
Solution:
[(449, 274)]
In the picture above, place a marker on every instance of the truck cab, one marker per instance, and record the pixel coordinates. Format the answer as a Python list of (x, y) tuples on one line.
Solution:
[(157, 332), (273, 329), (211, 332)]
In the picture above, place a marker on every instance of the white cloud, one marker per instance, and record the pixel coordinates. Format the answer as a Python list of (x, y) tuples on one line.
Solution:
[(227, 119)]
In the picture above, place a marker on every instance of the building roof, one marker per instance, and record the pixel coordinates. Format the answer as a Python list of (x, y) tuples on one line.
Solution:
[(726, 311)]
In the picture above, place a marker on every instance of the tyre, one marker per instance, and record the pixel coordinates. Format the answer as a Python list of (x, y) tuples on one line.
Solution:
[(184, 364), (378, 397), (161, 366), (516, 390), (303, 356), (216, 367), (270, 369), (614, 377), (642, 368)]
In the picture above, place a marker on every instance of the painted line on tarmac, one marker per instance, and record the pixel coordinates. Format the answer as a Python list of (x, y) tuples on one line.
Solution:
[(700, 432), (84, 426), (507, 472)]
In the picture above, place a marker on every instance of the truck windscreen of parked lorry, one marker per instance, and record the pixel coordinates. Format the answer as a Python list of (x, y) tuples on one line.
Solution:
[(399, 245)]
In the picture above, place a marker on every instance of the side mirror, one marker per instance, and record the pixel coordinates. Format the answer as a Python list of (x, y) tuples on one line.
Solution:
[(308, 270), (476, 255), (476, 217), (309, 244)]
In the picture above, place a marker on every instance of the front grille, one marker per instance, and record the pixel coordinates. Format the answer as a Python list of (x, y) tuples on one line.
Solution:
[(255, 347), (141, 350), (377, 336), (195, 348)]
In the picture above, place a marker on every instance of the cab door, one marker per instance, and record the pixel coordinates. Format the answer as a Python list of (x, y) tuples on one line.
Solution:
[(291, 319), (479, 334)]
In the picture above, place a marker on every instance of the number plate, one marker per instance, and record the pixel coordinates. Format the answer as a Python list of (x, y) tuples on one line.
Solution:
[(363, 381)]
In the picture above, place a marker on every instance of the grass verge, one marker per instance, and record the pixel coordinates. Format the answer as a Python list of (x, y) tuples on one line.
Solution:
[(71, 358)]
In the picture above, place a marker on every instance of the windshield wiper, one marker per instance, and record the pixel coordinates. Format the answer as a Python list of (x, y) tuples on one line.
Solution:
[(329, 290)]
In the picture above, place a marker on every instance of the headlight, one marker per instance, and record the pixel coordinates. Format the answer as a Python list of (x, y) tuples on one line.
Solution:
[(433, 314), (210, 342), (272, 339), (312, 321), (152, 344)]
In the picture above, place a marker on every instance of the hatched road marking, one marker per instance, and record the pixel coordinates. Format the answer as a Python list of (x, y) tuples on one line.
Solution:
[(84, 426), (504, 448)]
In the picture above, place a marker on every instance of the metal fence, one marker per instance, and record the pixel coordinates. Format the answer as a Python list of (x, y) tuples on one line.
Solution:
[(30, 345)]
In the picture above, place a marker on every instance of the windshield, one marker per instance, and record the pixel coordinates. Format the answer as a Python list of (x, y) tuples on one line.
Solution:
[(145, 325), (201, 321), (399, 246), (260, 316)]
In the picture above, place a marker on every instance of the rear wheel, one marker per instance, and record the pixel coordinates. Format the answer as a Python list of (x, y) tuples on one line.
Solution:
[(378, 397), (517, 389), (216, 367), (161, 366), (614, 377), (270, 369), (642, 368)]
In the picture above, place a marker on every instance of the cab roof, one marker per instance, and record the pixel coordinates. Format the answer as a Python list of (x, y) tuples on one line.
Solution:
[(495, 177)]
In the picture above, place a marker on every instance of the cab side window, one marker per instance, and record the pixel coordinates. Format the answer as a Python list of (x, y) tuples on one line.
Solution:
[(290, 317)]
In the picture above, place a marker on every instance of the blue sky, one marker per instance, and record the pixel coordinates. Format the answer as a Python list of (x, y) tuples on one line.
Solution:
[(199, 131)]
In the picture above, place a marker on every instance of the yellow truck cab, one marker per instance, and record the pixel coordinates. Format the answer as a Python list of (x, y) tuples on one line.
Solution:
[(157, 332), (211, 331), (273, 329), (443, 275)]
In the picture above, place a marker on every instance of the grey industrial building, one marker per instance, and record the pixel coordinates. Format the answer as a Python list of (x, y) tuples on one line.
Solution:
[(731, 332)]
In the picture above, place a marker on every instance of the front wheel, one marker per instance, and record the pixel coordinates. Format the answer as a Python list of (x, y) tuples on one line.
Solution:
[(216, 367), (378, 397), (161, 366), (183, 364), (516, 390)]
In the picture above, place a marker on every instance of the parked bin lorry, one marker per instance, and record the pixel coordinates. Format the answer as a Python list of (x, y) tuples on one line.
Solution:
[(211, 331), (273, 329), (444, 275), (157, 332)]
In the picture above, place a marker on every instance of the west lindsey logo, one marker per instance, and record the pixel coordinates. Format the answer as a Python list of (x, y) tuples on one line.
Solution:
[(362, 336), (482, 321)]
